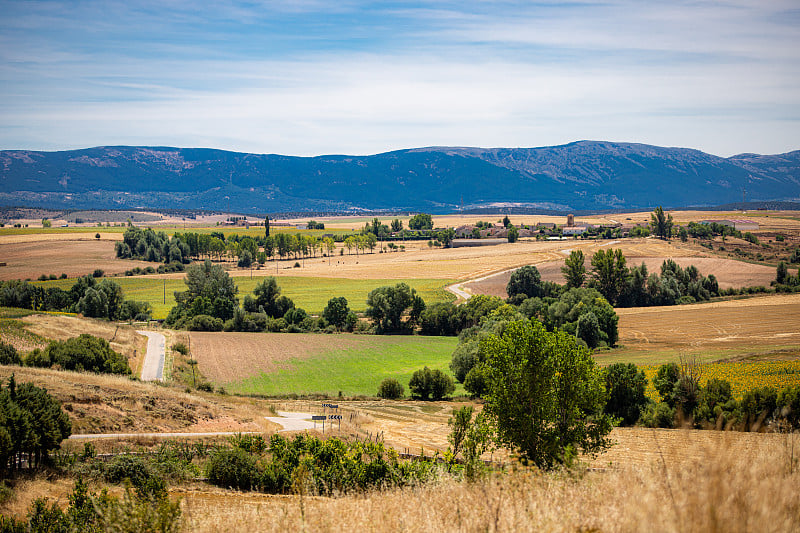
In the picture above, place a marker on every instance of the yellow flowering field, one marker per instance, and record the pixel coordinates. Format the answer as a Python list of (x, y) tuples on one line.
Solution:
[(742, 376)]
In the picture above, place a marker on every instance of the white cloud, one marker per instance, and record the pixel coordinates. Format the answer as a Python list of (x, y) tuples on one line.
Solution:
[(686, 74)]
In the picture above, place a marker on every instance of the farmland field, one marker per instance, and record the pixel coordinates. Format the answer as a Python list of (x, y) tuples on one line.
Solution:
[(280, 363), (729, 273), (764, 326), (70, 255), (311, 294), (742, 375)]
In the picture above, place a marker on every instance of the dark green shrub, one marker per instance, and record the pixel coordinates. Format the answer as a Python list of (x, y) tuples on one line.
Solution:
[(130, 467), (390, 389), (204, 323), (625, 387), (475, 382), (658, 415), (788, 406), (233, 468), (588, 329), (9, 355), (83, 353), (430, 384), (664, 382)]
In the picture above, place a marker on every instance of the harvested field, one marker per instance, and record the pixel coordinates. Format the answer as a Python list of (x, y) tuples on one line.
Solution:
[(745, 328), (30, 256), (286, 363), (729, 273)]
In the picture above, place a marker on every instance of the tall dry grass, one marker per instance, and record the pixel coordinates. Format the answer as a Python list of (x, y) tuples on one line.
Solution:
[(731, 488)]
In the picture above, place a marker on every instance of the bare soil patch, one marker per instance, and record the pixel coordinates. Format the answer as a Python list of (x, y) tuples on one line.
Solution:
[(227, 357), (30, 256)]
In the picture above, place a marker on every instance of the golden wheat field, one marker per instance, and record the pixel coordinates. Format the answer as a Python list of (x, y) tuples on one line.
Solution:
[(764, 326)]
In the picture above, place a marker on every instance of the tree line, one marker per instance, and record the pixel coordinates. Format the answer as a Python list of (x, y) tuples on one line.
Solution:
[(87, 296), (635, 286)]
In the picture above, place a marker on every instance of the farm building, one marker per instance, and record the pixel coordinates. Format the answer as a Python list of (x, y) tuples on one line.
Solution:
[(573, 230), (462, 243), (737, 224)]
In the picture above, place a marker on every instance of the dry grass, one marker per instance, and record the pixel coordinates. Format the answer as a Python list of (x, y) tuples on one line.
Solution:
[(30, 256), (733, 486), (112, 404)]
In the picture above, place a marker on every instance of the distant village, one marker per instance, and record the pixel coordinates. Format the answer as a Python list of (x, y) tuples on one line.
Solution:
[(486, 233)]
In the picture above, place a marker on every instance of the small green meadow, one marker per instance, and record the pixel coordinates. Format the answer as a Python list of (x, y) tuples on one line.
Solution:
[(354, 371)]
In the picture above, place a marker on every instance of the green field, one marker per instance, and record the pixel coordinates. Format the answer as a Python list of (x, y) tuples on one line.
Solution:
[(311, 294), (356, 371)]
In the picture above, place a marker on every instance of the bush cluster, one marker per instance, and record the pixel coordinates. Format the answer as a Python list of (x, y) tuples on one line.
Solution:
[(427, 384), (309, 464), (83, 353), (94, 513)]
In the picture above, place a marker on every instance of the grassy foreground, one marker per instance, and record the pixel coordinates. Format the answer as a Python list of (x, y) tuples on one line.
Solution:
[(312, 294), (354, 371)]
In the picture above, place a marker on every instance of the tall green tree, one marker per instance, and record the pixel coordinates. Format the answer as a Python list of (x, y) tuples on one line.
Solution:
[(782, 273), (386, 306), (525, 281), (513, 234), (609, 273), (421, 221), (661, 223), (545, 395), (337, 312), (266, 226), (625, 385), (209, 291), (574, 269)]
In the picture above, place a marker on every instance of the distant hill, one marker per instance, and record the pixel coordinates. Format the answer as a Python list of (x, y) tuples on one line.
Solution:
[(582, 175)]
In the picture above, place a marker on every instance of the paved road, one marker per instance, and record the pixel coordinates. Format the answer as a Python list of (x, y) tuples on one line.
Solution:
[(293, 421), (89, 436), (153, 367)]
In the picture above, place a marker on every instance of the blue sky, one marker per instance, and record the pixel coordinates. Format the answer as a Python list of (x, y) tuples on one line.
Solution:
[(312, 77)]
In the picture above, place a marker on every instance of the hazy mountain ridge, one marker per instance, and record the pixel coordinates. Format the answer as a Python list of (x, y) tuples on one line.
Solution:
[(579, 175)]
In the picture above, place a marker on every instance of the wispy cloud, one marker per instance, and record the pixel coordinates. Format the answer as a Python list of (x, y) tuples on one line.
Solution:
[(356, 77)]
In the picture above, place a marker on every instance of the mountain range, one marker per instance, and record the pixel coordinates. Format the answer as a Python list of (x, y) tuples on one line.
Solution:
[(584, 175)]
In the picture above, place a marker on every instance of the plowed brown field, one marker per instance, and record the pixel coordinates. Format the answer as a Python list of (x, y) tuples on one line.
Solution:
[(30, 256)]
